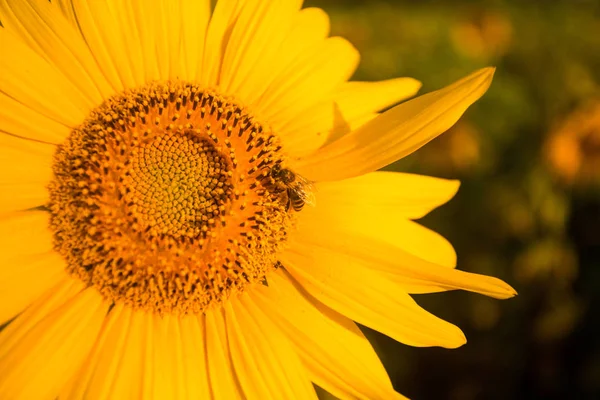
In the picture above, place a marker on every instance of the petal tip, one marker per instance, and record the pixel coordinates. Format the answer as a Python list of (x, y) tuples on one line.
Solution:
[(414, 84), (511, 292), (487, 75), (454, 186), (459, 339), (504, 291)]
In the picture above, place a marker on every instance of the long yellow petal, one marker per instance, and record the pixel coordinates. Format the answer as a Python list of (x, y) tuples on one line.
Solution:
[(128, 46), (51, 30), (309, 80), (381, 222), (355, 97), (299, 31), (168, 31), (67, 10), (336, 354), (195, 372), (43, 306), (408, 195), (25, 173), (28, 279), (45, 358), (386, 258), (23, 234), (16, 119), (254, 46), (120, 365), (129, 360), (218, 33), (146, 28), (310, 77), (195, 15), (28, 265), (179, 366), (367, 297), (307, 32), (100, 26), (223, 382), (353, 104), (30, 80), (264, 361), (308, 29), (397, 132)]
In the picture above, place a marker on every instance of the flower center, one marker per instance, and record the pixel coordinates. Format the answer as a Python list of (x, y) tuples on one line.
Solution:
[(166, 199), (176, 183)]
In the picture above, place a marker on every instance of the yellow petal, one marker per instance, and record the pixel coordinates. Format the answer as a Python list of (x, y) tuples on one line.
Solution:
[(386, 257), (22, 282), (355, 97), (255, 45), (28, 265), (44, 305), (336, 354), (264, 361), (379, 220), (195, 372), (106, 28), (67, 10), (18, 120), (380, 204), (176, 35), (195, 15), (354, 104), (145, 20), (23, 234), (179, 366), (30, 80), (223, 382), (25, 173), (411, 196), (124, 40), (397, 132), (218, 33), (313, 75), (309, 80), (309, 28), (48, 28), (44, 359), (305, 29), (338, 281), (307, 33), (168, 30), (131, 359), (121, 363)]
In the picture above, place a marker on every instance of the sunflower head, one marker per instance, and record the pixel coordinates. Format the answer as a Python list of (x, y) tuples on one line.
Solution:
[(154, 234), (163, 199)]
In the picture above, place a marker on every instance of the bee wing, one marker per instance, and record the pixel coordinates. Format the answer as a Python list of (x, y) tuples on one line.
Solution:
[(305, 189)]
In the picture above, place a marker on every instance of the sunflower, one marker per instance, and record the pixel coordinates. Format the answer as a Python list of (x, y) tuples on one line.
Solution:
[(190, 207)]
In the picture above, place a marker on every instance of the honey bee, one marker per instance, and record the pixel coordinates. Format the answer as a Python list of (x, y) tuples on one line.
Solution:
[(295, 191)]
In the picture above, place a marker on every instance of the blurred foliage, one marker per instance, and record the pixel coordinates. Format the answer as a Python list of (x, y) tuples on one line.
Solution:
[(528, 156)]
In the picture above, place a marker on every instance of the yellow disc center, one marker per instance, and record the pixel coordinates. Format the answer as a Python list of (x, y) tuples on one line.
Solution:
[(177, 183), (165, 199)]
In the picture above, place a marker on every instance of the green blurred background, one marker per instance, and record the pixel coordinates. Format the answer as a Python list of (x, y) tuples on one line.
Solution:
[(528, 211)]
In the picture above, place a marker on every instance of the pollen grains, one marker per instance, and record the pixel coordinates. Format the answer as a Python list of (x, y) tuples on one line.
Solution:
[(158, 199)]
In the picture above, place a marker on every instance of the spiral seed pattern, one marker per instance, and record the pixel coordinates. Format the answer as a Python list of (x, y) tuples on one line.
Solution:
[(158, 199)]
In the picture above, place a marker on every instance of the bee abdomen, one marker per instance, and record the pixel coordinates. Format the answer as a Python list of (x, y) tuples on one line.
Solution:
[(296, 201)]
